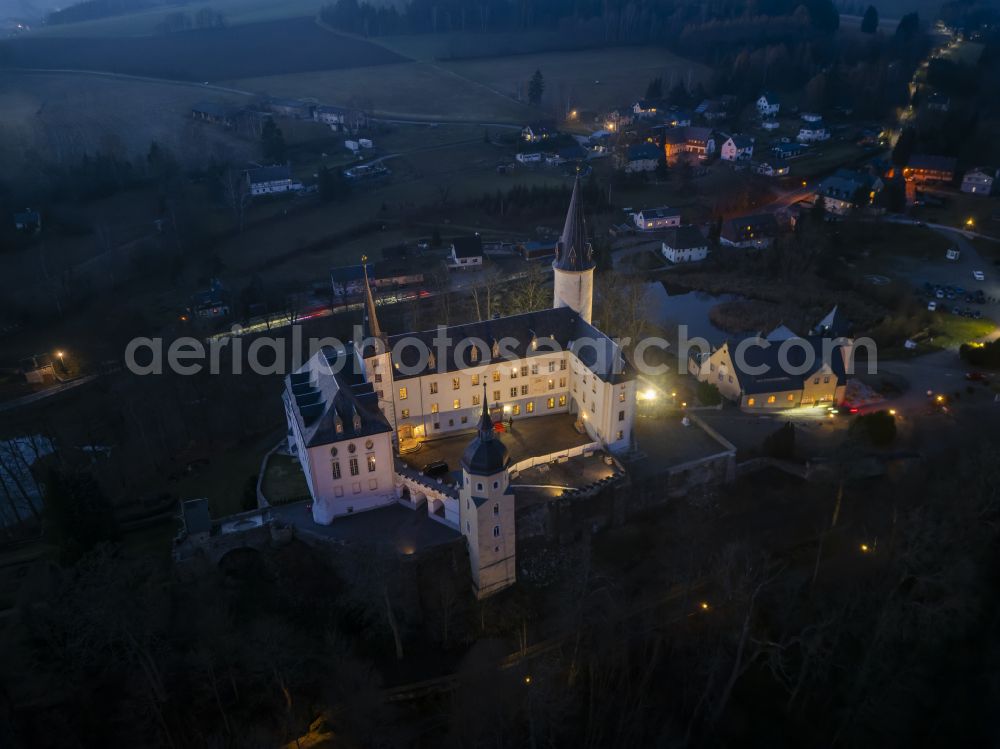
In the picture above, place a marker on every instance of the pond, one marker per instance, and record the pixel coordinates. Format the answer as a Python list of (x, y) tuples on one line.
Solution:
[(672, 307)]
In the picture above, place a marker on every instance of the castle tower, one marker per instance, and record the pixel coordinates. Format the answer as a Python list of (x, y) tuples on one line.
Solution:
[(574, 264), (486, 510), (372, 354)]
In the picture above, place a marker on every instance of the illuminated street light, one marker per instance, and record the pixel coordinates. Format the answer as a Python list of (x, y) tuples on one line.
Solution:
[(892, 411), (703, 605), (864, 548), (527, 679), (970, 221)]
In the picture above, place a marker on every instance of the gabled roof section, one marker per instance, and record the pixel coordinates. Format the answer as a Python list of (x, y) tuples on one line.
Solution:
[(684, 238), (573, 251), (332, 406), (468, 246)]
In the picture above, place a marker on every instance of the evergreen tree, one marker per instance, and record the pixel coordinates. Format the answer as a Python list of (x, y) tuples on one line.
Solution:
[(272, 142), (869, 24), (77, 514), (654, 89), (536, 87), (908, 26)]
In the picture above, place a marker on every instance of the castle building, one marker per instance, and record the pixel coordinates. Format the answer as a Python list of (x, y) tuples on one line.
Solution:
[(346, 424)]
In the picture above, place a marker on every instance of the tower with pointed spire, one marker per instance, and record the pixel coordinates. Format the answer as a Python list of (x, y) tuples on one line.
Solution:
[(372, 352), (573, 268), (486, 509)]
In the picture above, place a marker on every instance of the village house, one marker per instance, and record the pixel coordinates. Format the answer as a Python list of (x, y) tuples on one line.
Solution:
[(768, 105), (466, 253), (811, 117), (28, 221), (214, 113), (697, 140), (271, 180), (772, 168), (938, 102), (535, 157), (770, 125), (38, 369), (846, 190), (813, 132), (676, 118), (538, 132), (737, 148), (684, 244), (980, 180), (295, 108), (536, 250), (348, 281), (642, 157), (788, 151), (646, 109), (928, 168), (213, 303), (332, 116), (755, 231), (780, 370), (653, 219)]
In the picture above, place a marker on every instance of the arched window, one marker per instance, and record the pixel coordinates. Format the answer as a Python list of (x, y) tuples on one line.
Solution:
[(496, 531)]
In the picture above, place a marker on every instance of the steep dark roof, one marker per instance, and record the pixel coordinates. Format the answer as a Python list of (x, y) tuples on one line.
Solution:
[(514, 335), (269, 173), (740, 228), (684, 238), (573, 251), (742, 141), (643, 152), (332, 406), (468, 246), (486, 454), (772, 376)]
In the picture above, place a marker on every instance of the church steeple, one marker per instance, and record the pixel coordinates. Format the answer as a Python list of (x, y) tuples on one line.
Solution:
[(573, 268), (574, 252), (371, 319)]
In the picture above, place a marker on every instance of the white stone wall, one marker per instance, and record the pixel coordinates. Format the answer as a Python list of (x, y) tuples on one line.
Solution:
[(574, 289)]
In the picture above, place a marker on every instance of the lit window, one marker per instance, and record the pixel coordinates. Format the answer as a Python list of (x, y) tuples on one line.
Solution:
[(530, 408), (496, 375), (434, 408), (516, 409), (771, 399), (455, 383), (402, 394), (621, 395), (551, 402), (751, 401), (562, 400), (791, 396), (513, 373), (552, 384), (371, 464), (434, 388), (475, 400), (475, 379), (621, 434), (405, 413), (474, 354), (496, 395), (457, 403)]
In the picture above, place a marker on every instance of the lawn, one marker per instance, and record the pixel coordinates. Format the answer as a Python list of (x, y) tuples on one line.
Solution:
[(283, 481), (292, 45), (951, 331)]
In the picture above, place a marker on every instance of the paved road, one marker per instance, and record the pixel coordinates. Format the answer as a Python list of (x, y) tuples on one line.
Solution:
[(35, 397)]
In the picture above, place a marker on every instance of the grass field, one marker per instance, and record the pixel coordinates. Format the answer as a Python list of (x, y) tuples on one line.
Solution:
[(276, 47), (487, 90), (143, 23), (63, 115)]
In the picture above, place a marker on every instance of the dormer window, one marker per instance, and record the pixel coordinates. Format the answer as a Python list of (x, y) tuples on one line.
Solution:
[(496, 349), (431, 360), (474, 354)]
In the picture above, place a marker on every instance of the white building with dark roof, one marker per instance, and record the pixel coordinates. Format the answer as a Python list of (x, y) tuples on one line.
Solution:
[(685, 244)]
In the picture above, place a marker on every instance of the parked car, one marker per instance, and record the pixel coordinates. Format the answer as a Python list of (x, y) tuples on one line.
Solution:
[(979, 275), (939, 293), (931, 306), (435, 469)]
